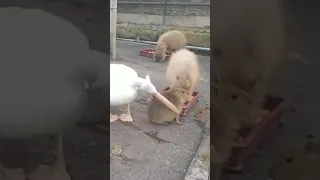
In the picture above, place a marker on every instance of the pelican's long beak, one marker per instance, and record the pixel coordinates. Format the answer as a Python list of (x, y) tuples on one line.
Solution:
[(166, 102)]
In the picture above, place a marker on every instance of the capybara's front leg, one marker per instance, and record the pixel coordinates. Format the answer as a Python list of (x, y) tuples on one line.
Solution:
[(191, 90), (178, 119)]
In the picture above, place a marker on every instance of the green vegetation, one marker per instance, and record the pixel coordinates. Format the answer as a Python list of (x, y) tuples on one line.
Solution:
[(195, 36), (206, 157)]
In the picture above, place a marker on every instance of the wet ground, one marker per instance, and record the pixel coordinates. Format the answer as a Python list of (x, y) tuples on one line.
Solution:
[(153, 151)]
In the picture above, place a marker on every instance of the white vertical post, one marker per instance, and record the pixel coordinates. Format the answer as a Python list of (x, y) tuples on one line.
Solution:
[(113, 28), (164, 15)]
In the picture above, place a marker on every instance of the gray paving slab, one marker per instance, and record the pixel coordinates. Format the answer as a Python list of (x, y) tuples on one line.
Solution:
[(153, 152), (199, 168)]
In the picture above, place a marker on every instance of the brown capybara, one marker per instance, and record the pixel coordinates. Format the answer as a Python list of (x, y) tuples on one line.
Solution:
[(169, 42), (183, 70), (159, 113), (249, 48), (202, 114)]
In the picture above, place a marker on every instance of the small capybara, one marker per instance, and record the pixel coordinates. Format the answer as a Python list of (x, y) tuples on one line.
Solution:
[(183, 70), (169, 42), (159, 113), (202, 114)]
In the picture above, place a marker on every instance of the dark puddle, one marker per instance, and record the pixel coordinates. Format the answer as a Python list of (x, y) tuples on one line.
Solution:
[(125, 160)]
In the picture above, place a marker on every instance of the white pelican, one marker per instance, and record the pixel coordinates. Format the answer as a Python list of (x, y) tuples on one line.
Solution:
[(124, 83)]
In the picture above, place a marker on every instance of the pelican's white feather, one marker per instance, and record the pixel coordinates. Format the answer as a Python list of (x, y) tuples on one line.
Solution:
[(122, 89)]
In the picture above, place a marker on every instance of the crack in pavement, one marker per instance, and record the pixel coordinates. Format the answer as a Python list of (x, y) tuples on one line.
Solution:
[(152, 134)]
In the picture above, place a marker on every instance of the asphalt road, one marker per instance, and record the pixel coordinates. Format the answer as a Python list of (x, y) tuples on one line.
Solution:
[(151, 151)]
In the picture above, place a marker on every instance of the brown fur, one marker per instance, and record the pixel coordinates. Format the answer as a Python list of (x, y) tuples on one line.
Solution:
[(169, 42), (159, 113), (183, 70), (249, 48), (202, 114)]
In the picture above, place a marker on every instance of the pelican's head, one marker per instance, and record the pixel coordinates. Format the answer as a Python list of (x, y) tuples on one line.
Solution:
[(147, 86)]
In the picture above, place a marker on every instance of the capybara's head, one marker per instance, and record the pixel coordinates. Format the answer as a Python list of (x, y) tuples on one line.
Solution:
[(160, 53), (183, 82), (177, 91), (183, 93), (202, 114)]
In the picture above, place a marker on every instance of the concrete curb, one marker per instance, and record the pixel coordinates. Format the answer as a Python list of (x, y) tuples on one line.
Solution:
[(199, 168)]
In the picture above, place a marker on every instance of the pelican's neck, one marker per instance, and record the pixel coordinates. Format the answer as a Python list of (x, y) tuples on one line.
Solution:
[(138, 82)]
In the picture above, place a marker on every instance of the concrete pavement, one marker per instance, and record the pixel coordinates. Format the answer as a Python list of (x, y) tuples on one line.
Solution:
[(151, 152)]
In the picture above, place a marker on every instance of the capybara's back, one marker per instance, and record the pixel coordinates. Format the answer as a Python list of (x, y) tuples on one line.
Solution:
[(183, 71), (174, 40), (169, 42)]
